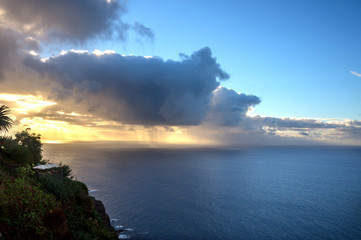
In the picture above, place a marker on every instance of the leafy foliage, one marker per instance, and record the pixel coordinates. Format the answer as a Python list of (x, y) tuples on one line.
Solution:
[(67, 191), (6, 143), (32, 142), (42, 205), (21, 155), (26, 172), (84, 222), (5, 121), (66, 171), (22, 208)]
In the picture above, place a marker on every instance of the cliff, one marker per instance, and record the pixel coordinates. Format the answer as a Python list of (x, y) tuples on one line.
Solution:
[(38, 205), (44, 202)]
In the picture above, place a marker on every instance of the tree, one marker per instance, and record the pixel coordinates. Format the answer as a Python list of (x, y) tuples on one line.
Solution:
[(5, 121), (32, 142)]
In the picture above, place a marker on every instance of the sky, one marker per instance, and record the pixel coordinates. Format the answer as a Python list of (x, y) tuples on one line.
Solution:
[(209, 72)]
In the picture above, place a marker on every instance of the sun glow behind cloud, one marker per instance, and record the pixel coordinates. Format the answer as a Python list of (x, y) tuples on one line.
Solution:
[(26, 103), (57, 126), (99, 53), (27, 109), (62, 131)]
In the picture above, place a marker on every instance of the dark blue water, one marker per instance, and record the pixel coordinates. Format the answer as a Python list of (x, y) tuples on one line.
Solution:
[(252, 193)]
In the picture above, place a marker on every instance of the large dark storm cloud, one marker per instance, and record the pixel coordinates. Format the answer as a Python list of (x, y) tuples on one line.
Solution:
[(69, 20), (133, 90), (139, 90), (8, 49)]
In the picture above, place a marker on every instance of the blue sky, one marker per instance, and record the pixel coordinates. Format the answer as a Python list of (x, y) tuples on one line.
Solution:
[(295, 55)]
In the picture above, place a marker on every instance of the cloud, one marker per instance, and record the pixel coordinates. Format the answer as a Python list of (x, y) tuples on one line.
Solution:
[(293, 123), (229, 108), (152, 92), (8, 49), (355, 73), (237, 136), (108, 92), (138, 90), (143, 31), (31, 44), (72, 21), (337, 131)]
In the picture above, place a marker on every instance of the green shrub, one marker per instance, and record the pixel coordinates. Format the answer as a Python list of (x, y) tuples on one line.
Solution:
[(6, 143), (66, 171), (20, 155), (83, 220), (32, 142), (3, 175), (26, 172), (56, 224), (22, 209), (65, 190)]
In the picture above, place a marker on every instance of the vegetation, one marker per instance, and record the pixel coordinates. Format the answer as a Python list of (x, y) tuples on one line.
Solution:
[(37, 205), (23, 208), (30, 141), (5, 121), (25, 148)]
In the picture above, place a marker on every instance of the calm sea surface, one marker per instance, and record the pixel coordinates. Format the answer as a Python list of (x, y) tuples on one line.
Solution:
[(251, 193)]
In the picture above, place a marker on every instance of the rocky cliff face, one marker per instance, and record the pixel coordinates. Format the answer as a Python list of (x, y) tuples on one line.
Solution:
[(99, 207)]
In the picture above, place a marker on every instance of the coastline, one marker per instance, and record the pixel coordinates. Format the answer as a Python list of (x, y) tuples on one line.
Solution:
[(46, 203), (100, 208)]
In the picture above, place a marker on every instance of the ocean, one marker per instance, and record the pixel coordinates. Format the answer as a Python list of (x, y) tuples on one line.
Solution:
[(214, 193)]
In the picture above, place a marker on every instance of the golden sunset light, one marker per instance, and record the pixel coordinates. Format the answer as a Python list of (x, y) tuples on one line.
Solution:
[(60, 128), (25, 103)]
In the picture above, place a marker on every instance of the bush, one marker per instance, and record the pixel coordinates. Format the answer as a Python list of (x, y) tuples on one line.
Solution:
[(67, 191), (32, 142), (83, 220), (56, 224), (20, 155), (22, 209), (3, 175), (6, 143), (66, 171)]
